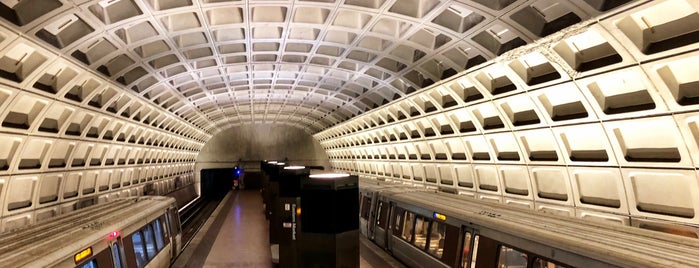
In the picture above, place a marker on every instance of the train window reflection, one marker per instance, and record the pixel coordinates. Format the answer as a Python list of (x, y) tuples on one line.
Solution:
[(437, 235), (511, 258), (541, 263), (117, 255), (163, 226), (396, 223), (158, 234), (466, 252), (139, 249), (150, 245), (408, 226), (91, 264), (475, 251), (421, 231)]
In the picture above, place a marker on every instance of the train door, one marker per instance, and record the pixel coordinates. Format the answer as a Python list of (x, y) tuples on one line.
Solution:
[(160, 226), (485, 252), (469, 248), (381, 223), (173, 223), (372, 216), (387, 233), (364, 211), (117, 249), (395, 226), (443, 243)]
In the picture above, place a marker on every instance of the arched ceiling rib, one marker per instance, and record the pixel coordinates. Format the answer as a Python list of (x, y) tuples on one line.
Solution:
[(311, 64)]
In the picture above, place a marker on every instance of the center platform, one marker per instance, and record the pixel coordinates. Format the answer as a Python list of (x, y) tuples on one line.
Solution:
[(237, 235)]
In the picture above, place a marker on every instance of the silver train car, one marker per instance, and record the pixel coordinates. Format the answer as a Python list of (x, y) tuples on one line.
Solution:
[(426, 228), (369, 208), (133, 232)]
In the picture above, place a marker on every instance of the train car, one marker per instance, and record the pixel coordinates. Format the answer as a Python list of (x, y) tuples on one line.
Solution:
[(132, 232), (433, 229), (374, 210), (368, 195)]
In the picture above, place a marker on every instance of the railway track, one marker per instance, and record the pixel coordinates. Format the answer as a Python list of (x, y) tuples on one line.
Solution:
[(194, 216)]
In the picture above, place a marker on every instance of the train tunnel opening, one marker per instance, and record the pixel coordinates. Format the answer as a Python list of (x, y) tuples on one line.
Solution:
[(215, 183)]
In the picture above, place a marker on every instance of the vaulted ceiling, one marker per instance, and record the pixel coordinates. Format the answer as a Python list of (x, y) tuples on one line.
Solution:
[(310, 64)]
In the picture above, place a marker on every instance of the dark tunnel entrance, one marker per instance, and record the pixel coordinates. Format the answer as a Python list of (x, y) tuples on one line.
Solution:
[(215, 183)]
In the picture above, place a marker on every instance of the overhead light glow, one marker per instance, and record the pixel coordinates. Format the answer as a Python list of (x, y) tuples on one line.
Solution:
[(329, 176), (295, 167)]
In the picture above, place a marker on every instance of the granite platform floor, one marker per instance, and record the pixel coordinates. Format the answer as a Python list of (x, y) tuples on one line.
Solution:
[(237, 235)]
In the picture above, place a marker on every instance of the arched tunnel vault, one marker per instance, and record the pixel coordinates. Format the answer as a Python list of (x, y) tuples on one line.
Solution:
[(597, 121), (208, 60), (99, 99)]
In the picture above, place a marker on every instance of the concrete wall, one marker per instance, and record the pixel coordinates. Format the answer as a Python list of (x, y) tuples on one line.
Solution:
[(260, 142)]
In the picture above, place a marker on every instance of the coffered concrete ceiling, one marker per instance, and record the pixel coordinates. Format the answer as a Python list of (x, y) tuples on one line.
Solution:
[(310, 64)]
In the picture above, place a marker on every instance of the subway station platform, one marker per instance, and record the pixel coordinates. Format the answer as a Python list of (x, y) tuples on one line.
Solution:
[(237, 235)]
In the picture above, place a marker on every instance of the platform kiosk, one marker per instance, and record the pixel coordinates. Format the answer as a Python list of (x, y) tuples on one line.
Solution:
[(274, 219), (329, 221), (266, 167), (289, 206)]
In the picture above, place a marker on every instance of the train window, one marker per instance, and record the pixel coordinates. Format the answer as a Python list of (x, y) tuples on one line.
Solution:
[(167, 223), (397, 223), (422, 226), (169, 226), (382, 213), (408, 225), (91, 264), (103, 259), (511, 258), (437, 235), (475, 251), (541, 263), (466, 251), (117, 255), (150, 244), (139, 249), (158, 230)]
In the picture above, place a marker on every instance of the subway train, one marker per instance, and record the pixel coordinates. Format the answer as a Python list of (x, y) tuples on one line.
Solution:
[(131, 232), (427, 228)]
